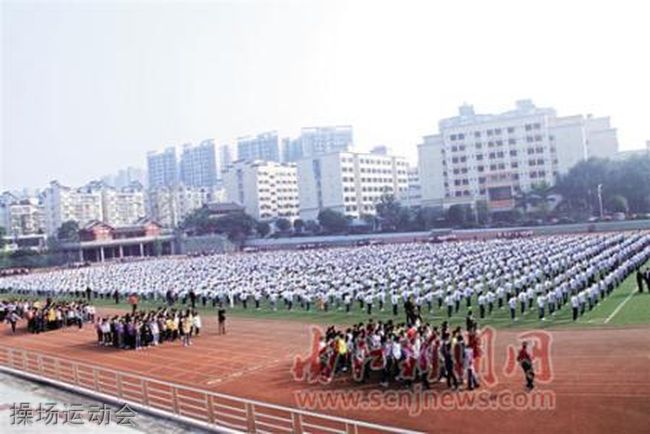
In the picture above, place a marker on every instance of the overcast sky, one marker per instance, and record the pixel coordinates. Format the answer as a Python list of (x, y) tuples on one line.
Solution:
[(89, 87)]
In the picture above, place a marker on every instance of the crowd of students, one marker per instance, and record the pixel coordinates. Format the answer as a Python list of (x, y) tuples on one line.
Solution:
[(533, 272), (141, 329), (45, 316), (403, 353)]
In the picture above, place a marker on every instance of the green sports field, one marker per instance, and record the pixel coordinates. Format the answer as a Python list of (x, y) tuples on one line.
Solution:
[(624, 307)]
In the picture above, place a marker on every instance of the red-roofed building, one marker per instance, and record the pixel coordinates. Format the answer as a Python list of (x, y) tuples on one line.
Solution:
[(99, 241)]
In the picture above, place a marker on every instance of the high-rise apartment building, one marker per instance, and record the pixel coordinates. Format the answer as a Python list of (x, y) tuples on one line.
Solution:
[(224, 160), (162, 168), (198, 165), (315, 141), (264, 146)]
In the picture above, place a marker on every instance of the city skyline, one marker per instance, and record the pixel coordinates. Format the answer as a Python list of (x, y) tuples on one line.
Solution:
[(97, 104)]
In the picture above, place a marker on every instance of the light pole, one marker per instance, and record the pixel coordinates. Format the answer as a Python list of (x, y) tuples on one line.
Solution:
[(600, 199)]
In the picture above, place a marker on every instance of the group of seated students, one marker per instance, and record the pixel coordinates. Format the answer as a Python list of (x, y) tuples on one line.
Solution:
[(142, 329), (48, 315), (402, 353)]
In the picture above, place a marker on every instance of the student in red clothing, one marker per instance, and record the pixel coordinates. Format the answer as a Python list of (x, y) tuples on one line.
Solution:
[(133, 301), (526, 361)]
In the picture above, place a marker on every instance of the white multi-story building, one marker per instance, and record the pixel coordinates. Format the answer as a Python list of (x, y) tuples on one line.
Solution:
[(348, 182), (6, 199), (94, 201), (267, 190), (123, 207), (63, 203), (412, 197), (493, 157), (168, 206), (21, 216)]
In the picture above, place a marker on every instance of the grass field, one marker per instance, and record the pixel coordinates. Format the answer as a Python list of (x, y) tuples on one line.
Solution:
[(625, 306)]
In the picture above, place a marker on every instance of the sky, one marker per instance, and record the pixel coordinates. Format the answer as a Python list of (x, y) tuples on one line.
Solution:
[(89, 87)]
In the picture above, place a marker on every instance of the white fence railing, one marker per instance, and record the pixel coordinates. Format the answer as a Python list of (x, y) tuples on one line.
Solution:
[(210, 409)]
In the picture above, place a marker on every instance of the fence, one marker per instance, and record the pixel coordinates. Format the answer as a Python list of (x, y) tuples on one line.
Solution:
[(208, 409)]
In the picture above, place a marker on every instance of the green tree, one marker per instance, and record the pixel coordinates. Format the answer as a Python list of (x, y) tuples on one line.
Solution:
[(298, 225), (332, 221), (405, 219), (312, 227), (629, 178), (617, 203), (522, 200), (579, 187), (69, 231), (199, 222), (3, 233), (428, 218), (389, 212), (283, 224), (263, 229), (540, 194), (371, 220), (237, 226), (459, 215), (482, 212)]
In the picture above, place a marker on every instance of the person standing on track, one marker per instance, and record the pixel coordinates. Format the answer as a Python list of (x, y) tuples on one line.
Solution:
[(221, 317), (13, 318), (525, 360), (133, 301)]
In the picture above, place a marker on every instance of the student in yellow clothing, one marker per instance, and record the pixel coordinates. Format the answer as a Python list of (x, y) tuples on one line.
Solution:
[(342, 350), (186, 323), (51, 319), (172, 331)]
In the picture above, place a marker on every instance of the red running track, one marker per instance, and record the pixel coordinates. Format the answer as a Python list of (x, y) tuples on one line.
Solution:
[(600, 384)]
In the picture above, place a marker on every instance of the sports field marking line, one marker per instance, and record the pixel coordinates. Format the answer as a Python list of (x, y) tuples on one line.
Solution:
[(620, 306), (245, 371)]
